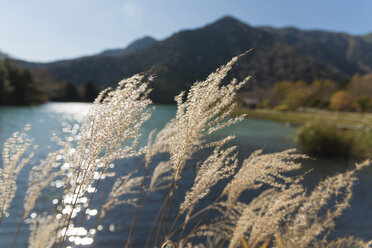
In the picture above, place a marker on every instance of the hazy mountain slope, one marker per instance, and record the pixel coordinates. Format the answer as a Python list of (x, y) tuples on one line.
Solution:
[(3, 56), (350, 54), (132, 47), (135, 46), (367, 38)]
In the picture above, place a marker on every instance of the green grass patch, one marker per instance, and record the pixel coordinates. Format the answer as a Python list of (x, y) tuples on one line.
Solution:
[(324, 139)]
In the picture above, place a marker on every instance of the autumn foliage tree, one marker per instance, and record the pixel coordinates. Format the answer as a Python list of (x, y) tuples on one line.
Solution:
[(322, 92), (360, 85), (341, 101), (291, 95), (298, 95)]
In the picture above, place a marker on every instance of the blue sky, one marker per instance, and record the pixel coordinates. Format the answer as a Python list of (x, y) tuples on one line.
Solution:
[(46, 30)]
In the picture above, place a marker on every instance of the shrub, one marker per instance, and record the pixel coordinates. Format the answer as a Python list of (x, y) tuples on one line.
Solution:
[(341, 101), (320, 138), (362, 103), (283, 212), (282, 107)]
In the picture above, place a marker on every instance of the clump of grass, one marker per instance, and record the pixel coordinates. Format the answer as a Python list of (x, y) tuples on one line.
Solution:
[(283, 214), (42, 233), (324, 139), (15, 157)]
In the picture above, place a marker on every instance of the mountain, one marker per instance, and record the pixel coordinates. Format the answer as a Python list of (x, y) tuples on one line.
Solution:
[(135, 46), (192, 55), (367, 37), (349, 54), (3, 56), (131, 48)]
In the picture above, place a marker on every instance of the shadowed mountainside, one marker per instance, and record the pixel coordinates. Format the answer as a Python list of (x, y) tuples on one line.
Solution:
[(367, 38), (3, 56)]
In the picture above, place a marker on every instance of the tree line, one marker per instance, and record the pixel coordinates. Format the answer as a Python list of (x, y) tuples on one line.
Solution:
[(353, 95), (22, 87), (17, 86), (69, 92)]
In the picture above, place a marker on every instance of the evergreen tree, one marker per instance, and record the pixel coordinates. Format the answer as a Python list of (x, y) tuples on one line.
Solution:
[(5, 87), (71, 93), (90, 91), (17, 86)]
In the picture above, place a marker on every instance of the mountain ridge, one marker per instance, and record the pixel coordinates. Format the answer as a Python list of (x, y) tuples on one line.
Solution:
[(134, 46), (350, 54), (190, 55)]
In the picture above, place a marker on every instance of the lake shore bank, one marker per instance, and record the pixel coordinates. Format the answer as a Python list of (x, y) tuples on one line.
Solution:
[(356, 125)]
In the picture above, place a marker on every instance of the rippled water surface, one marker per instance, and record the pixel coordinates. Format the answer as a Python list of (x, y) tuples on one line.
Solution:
[(251, 134)]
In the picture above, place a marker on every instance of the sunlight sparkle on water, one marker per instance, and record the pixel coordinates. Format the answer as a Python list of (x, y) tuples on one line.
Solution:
[(70, 111), (92, 212)]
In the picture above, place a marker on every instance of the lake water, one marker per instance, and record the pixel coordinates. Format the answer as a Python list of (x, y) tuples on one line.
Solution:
[(251, 134)]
